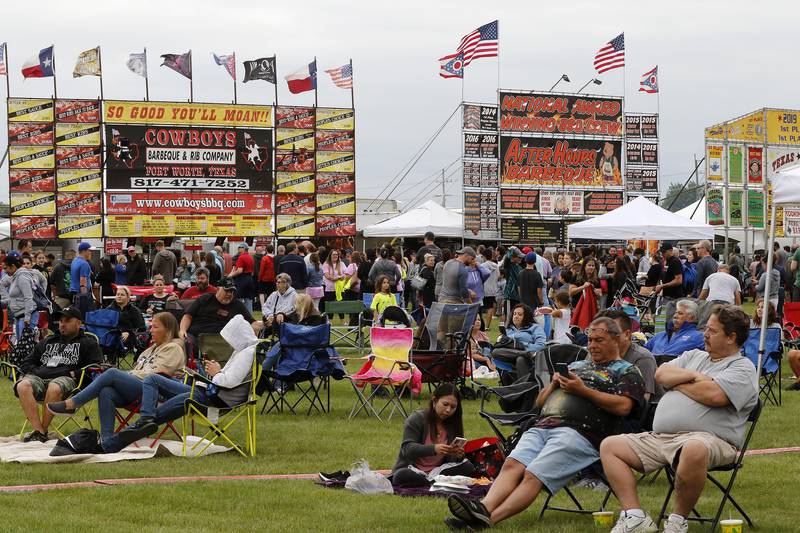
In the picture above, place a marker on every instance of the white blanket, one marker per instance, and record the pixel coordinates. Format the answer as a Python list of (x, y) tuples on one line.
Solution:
[(12, 450)]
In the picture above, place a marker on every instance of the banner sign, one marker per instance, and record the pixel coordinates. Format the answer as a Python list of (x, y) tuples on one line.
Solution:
[(749, 128), (735, 163), (782, 127), (791, 221), (69, 134), (336, 226), (113, 246), (301, 160), (714, 162), (336, 161), (335, 119), (78, 203), (563, 202), (524, 230), (641, 180), (480, 145), (640, 153), (480, 174), (295, 204), (779, 159), (78, 157), (755, 165), (294, 117), (187, 203), (80, 227), (480, 117), (188, 114), (336, 204), (142, 157), (294, 139), (32, 180), (735, 207), (188, 225), (335, 141), (71, 180), (77, 111), (295, 226), (33, 227), (641, 126), (755, 208), (600, 202), (715, 205), (335, 183), (547, 161), (30, 134), (527, 112), (519, 201), (480, 211), (30, 110), (31, 157), (300, 182), (33, 203)]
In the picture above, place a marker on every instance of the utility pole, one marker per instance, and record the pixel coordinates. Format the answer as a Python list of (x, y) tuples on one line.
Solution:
[(444, 198)]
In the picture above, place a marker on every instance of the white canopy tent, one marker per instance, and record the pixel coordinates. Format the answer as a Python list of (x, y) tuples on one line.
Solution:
[(640, 219), (5, 229), (429, 216)]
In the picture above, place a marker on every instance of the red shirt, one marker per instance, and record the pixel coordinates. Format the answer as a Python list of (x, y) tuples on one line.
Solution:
[(193, 292), (246, 263)]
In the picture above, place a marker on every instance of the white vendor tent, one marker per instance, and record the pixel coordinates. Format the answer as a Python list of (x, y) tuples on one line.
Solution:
[(429, 216), (640, 219), (5, 229)]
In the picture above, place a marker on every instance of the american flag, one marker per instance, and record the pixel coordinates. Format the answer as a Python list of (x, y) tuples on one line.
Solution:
[(342, 77), (479, 43), (3, 66), (611, 56), (649, 83)]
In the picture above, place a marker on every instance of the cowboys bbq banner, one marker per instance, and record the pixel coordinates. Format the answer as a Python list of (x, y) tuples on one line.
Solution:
[(156, 157)]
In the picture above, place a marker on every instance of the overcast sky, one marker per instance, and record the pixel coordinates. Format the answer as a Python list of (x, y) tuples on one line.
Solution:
[(717, 60)]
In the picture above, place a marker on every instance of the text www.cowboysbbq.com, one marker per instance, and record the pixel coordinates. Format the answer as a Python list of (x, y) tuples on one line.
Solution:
[(190, 203)]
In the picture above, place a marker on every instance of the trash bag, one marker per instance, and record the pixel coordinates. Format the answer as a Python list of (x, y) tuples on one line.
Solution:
[(365, 481)]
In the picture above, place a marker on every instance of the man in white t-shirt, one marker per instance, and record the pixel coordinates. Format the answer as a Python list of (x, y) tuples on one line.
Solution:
[(722, 287)]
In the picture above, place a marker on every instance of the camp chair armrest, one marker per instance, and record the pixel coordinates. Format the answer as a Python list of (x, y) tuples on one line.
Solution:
[(16, 371), (195, 376)]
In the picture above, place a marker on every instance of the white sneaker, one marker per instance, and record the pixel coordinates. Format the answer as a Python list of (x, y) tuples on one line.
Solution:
[(673, 526), (634, 524)]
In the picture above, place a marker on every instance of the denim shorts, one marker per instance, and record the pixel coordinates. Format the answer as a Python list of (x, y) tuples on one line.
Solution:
[(554, 455)]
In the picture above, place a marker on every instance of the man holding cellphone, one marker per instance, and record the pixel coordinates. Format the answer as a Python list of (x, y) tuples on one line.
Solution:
[(578, 411)]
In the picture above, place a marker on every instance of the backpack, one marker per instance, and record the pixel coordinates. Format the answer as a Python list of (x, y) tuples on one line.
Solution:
[(82, 441), (43, 303), (689, 274)]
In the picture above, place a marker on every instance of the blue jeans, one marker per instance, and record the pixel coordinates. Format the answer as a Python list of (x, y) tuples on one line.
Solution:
[(20, 325), (114, 388), (172, 391)]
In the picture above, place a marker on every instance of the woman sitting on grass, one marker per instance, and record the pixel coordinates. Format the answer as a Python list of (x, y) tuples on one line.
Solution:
[(117, 388), (428, 441)]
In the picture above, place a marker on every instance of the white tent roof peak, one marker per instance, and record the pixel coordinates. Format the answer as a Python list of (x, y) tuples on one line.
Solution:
[(429, 216), (640, 219)]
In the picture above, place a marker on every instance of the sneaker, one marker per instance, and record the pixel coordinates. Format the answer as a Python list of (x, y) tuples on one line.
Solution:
[(793, 386), (137, 431), (634, 524), (334, 476), (673, 526), (468, 510), (60, 408), (143, 420), (35, 436), (454, 524)]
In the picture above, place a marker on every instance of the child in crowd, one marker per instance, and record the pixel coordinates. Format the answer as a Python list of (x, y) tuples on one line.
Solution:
[(383, 297), (561, 316)]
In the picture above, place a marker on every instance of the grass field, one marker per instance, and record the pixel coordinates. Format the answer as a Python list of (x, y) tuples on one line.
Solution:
[(300, 444)]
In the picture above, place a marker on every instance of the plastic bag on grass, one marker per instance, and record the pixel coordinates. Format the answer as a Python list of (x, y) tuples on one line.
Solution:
[(365, 481)]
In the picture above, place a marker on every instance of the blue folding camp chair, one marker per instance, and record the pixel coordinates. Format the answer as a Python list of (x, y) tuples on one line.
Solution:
[(770, 364), (306, 361), (103, 324)]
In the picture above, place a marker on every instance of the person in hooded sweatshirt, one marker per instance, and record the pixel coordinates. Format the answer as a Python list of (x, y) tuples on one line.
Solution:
[(231, 384), (17, 289), (280, 303), (164, 263)]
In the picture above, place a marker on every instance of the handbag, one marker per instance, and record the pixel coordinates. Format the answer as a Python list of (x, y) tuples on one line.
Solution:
[(24, 346), (486, 455), (418, 282)]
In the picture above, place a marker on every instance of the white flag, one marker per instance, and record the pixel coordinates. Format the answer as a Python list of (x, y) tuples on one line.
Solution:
[(137, 63)]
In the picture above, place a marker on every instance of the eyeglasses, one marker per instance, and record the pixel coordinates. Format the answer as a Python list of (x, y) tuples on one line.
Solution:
[(282, 282)]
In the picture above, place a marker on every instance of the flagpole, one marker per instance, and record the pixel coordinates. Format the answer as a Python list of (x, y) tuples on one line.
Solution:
[(100, 65), (191, 76), (275, 64), (234, 78), (498, 56), (55, 87), (8, 72), (315, 82), (352, 80), (146, 83)]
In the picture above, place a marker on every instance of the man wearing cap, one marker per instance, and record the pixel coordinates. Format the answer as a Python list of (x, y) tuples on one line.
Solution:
[(530, 283), (52, 370), (211, 312), (80, 285), (454, 277), (242, 275), (137, 269)]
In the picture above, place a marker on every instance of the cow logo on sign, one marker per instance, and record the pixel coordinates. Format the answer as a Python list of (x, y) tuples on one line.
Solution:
[(122, 149), (255, 155)]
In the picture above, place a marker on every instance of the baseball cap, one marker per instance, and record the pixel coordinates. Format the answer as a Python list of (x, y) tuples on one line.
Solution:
[(69, 312), (85, 246), (514, 251), (244, 245), (530, 258), (227, 284), (468, 250), (131, 248), (527, 250), (666, 246)]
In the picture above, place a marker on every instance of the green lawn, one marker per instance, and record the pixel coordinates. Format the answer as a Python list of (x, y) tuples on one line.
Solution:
[(300, 444)]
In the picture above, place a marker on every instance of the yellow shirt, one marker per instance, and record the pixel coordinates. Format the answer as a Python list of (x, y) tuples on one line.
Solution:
[(381, 301)]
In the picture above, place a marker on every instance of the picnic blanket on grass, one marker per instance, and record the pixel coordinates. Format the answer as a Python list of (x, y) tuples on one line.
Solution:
[(12, 450), (475, 491)]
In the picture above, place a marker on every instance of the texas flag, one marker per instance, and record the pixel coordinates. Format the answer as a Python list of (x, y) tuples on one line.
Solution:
[(39, 67), (304, 79)]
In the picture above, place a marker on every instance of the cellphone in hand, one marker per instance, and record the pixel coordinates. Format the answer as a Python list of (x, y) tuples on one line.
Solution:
[(562, 369), (502, 329), (458, 442)]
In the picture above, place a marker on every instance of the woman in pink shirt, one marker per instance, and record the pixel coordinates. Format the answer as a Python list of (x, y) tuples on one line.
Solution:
[(332, 270)]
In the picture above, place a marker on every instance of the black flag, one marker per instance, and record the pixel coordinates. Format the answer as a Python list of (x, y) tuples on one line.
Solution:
[(260, 69)]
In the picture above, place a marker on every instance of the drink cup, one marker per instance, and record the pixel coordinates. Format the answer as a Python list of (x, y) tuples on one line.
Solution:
[(732, 525), (603, 519)]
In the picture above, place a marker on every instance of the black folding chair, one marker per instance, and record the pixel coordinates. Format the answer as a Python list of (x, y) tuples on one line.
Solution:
[(725, 488)]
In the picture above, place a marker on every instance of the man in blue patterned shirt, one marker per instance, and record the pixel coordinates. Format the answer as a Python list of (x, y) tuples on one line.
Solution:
[(578, 412)]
